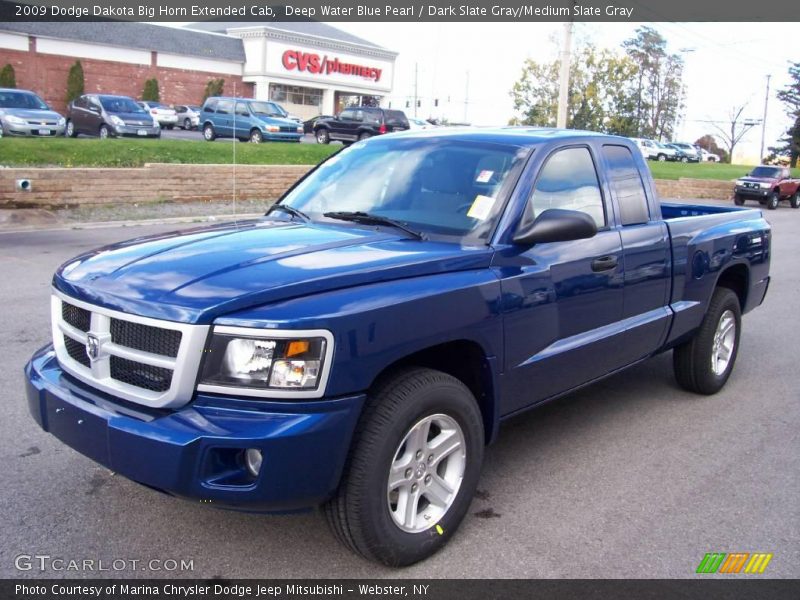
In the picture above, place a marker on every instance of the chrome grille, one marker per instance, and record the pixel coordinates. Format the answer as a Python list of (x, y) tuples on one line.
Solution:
[(140, 359)]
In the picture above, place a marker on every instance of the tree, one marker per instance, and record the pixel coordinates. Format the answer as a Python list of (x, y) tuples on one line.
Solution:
[(75, 82), (709, 143), (659, 90), (790, 96), (214, 87), (8, 79), (599, 97), (735, 129), (150, 92)]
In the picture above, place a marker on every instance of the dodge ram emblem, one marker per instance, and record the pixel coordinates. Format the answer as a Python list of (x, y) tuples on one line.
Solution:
[(92, 346)]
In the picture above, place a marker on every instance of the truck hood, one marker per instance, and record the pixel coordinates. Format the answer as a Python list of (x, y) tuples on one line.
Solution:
[(197, 275), (751, 179)]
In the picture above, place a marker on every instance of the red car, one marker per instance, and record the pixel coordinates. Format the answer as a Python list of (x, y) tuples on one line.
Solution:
[(769, 185)]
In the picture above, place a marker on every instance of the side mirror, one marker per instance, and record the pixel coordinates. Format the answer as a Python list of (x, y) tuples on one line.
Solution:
[(556, 225)]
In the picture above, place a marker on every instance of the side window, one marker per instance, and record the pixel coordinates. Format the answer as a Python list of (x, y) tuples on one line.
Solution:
[(358, 116), (626, 183), (241, 110), (568, 180), (210, 106), (80, 102), (348, 115), (224, 107)]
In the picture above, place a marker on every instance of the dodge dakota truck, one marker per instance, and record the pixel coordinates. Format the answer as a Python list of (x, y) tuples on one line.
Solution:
[(358, 346), (769, 185)]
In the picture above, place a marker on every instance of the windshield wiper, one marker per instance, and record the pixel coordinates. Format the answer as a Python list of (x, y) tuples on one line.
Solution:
[(369, 219), (291, 210)]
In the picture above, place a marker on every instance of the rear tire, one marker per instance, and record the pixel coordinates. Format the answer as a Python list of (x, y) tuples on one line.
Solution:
[(364, 136), (209, 134), (794, 201), (70, 130), (684, 159), (772, 201), (187, 124), (368, 514), (704, 363)]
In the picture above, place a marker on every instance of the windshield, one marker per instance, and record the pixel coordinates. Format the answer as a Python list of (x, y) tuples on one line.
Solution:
[(440, 187), (25, 100), (766, 172), (114, 104), (267, 108)]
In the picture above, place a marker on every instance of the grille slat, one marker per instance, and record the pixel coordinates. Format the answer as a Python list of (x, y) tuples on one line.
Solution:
[(76, 351), (155, 340), (148, 377), (79, 318)]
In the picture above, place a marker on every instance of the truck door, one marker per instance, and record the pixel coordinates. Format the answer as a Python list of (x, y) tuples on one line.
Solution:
[(646, 255), (562, 301)]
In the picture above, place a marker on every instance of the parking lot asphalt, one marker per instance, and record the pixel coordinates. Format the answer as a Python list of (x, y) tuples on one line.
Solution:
[(631, 477)]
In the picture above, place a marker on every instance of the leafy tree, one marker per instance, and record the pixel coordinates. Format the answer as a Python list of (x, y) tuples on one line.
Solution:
[(8, 79), (150, 92), (599, 94), (790, 96), (214, 87), (75, 81), (709, 143), (658, 82)]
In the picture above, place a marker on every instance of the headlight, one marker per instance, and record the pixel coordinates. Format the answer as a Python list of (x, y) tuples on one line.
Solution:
[(62, 121), (273, 128), (300, 129), (117, 121), (15, 120), (765, 186), (258, 360), (740, 182)]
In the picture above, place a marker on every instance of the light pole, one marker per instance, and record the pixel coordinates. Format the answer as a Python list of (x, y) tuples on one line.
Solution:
[(764, 122)]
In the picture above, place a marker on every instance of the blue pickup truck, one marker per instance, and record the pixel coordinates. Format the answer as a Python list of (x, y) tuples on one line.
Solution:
[(357, 347)]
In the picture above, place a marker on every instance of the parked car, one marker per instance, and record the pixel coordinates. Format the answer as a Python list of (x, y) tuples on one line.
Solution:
[(109, 116), (415, 123), (246, 120), (24, 113), (647, 147), (665, 152), (769, 185), (359, 123), (692, 155), (308, 125), (680, 153), (188, 116), (165, 115), (358, 346), (706, 156)]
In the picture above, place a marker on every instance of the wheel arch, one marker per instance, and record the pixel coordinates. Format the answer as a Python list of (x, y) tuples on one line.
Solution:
[(465, 360), (737, 279)]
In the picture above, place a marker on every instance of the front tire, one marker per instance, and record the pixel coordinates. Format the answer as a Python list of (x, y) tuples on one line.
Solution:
[(413, 468), (704, 363), (256, 137), (772, 201), (322, 135), (738, 200), (105, 132), (684, 159)]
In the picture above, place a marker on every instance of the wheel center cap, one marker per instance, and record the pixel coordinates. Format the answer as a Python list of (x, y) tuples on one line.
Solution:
[(420, 471)]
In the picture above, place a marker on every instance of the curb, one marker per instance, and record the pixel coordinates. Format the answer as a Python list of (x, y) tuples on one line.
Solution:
[(129, 223)]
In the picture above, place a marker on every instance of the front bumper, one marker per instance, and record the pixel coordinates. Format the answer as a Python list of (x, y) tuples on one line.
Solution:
[(32, 130), (134, 130), (748, 192), (281, 136), (196, 452)]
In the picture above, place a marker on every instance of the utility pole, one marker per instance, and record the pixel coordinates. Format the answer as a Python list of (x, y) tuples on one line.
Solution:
[(416, 97), (563, 91), (764, 122), (466, 99)]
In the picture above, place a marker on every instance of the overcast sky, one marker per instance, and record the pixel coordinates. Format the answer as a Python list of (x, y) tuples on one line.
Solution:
[(726, 66)]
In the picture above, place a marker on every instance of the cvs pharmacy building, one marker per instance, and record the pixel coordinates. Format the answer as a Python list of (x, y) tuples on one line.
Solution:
[(312, 68)]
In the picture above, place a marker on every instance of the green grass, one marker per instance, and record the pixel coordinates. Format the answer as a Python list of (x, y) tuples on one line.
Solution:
[(84, 152), (707, 170)]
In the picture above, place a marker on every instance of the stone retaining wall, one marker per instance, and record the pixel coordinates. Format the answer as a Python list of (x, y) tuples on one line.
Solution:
[(62, 187)]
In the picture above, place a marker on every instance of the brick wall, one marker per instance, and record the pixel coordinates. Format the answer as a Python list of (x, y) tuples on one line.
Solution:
[(46, 75), (61, 187)]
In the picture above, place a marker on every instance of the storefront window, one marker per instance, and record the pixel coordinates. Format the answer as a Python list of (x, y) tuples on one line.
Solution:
[(294, 94)]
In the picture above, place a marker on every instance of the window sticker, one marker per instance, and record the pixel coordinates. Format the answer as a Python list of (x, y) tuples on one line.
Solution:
[(484, 176), (481, 207)]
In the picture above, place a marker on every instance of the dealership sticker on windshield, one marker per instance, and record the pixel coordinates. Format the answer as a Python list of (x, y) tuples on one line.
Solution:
[(484, 176), (481, 207)]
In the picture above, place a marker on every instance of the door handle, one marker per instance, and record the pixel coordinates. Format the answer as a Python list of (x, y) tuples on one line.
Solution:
[(604, 263)]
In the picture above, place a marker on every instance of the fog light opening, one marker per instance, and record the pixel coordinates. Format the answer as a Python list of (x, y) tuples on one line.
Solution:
[(252, 460)]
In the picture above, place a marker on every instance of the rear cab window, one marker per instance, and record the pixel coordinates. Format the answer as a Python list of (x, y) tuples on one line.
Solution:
[(626, 184)]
